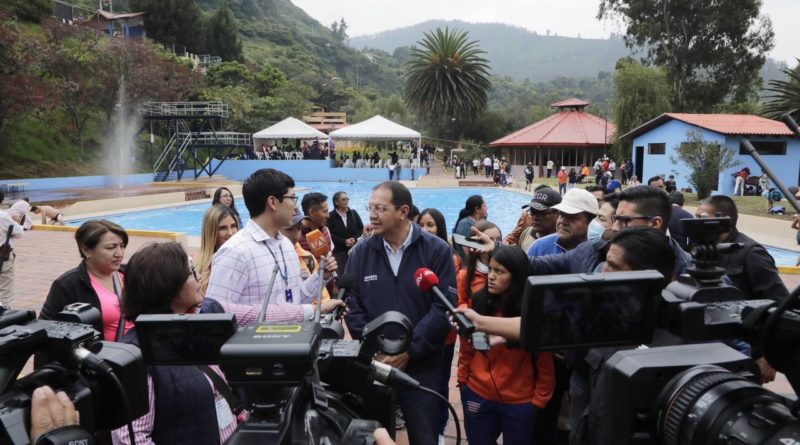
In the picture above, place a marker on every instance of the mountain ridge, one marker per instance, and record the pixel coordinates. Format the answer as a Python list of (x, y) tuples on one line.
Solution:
[(548, 56)]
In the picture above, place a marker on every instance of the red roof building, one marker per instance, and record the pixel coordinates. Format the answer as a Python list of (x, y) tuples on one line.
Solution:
[(728, 124), (570, 137)]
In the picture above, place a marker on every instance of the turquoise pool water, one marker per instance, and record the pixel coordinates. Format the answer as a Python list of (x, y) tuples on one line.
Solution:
[(504, 210), (504, 207)]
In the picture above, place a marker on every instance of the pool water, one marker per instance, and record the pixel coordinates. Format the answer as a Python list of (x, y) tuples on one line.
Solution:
[(504, 210), (504, 207)]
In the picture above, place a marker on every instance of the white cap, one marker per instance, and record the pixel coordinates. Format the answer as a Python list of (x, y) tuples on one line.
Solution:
[(576, 201)]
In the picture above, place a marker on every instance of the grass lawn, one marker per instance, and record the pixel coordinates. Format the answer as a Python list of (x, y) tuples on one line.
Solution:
[(747, 205)]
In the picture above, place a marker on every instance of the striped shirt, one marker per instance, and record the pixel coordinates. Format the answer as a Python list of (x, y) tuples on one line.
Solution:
[(143, 426), (241, 271)]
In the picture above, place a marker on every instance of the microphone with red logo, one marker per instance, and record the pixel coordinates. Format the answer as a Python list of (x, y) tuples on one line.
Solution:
[(428, 281)]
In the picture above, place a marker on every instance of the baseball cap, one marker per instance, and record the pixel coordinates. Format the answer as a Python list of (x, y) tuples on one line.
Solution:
[(298, 216), (576, 201), (543, 199)]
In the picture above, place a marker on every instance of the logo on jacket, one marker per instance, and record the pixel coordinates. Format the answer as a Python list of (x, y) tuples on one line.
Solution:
[(368, 278)]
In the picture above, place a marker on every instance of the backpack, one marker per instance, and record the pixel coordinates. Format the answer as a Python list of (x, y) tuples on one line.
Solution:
[(777, 210)]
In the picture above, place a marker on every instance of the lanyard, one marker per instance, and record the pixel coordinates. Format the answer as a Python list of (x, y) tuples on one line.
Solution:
[(285, 272)]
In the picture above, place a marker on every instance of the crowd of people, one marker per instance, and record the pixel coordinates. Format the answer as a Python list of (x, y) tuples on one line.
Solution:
[(505, 390)]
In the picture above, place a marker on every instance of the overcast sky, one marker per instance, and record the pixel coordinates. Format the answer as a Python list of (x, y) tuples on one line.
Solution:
[(564, 17)]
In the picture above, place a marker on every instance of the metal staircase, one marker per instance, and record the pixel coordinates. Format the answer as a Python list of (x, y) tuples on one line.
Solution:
[(189, 129)]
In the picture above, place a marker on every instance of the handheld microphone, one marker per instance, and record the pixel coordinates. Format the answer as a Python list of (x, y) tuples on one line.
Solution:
[(344, 282), (428, 281), (318, 246)]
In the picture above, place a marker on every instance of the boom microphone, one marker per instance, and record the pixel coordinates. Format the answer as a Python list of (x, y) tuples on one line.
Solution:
[(426, 280)]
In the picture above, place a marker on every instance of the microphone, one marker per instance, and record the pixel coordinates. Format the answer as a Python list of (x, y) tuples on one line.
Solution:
[(318, 311), (318, 246), (391, 376), (262, 314), (344, 282), (426, 280)]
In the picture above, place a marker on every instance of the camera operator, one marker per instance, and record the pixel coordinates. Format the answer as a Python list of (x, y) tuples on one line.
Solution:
[(384, 267), (53, 412), (159, 280), (750, 269)]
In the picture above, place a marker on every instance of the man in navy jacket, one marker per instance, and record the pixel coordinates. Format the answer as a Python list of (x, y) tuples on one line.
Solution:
[(383, 266)]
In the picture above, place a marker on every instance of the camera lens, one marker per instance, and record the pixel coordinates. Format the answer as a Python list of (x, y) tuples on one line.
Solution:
[(709, 405)]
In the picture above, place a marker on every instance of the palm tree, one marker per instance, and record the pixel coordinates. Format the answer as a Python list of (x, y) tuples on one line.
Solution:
[(446, 80), (786, 95)]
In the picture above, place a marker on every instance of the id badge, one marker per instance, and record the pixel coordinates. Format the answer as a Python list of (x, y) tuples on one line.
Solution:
[(224, 414), (289, 296)]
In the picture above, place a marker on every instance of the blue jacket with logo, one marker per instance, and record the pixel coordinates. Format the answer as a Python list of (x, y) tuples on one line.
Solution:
[(376, 290)]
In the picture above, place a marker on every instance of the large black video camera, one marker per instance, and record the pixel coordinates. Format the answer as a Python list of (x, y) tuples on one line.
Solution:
[(300, 386), (698, 393), (106, 381)]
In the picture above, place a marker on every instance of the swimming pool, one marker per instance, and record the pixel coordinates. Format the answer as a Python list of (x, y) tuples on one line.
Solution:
[(504, 210), (504, 207)]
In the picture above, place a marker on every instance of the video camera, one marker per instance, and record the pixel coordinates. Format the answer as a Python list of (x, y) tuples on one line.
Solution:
[(106, 381), (689, 394), (300, 385)]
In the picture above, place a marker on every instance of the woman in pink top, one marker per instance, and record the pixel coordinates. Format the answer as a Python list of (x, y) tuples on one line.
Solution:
[(97, 280)]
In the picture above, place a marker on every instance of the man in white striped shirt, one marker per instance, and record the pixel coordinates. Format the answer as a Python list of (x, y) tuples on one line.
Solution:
[(242, 268)]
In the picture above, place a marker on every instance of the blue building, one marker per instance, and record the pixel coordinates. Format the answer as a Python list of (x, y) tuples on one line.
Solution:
[(656, 141)]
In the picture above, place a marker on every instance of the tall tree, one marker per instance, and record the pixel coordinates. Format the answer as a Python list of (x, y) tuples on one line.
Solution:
[(642, 93), (446, 80), (785, 97), (224, 34), (712, 50), (178, 22)]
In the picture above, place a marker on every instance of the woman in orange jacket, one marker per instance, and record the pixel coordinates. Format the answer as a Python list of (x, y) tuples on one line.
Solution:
[(501, 390)]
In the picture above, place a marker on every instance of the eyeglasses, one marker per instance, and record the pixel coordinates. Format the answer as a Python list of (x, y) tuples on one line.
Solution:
[(293, 197), (344, 199), (378, 208), (625, 220)]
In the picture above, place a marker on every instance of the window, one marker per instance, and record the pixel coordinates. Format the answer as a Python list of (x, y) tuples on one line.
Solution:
[(656, 149), (765, 148)]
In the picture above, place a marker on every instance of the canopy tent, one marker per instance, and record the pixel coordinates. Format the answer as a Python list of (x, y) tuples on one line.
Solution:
[(377, 127), (290, 128)]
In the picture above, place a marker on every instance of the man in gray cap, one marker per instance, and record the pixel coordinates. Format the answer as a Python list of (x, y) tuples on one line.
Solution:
[(577, 209), (537, 219)]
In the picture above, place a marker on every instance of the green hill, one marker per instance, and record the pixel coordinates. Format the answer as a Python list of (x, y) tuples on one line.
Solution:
[(516, 52)]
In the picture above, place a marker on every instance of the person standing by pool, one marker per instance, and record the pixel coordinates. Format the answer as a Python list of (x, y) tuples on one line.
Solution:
[(502, 390), (97, 280), (219, 225), (345, 227), (384, 267), (7, 255), (315, 208), (475, 209), (19, 210), (224, 196), (242, 268)]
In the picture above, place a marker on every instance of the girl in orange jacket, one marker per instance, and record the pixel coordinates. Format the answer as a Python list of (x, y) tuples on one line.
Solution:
[(501, 390)]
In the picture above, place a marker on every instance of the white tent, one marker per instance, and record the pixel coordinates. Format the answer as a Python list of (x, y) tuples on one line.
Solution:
[(290, 128), (377, 127)]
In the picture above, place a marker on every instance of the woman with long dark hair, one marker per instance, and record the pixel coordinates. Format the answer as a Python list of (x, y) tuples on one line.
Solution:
[(432, 221), (502, 389), (475, 209), (224, 196)]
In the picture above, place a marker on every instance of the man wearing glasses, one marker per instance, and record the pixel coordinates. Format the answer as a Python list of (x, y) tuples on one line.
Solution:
[(537, 220), (383, 266), (242, 269), (649, 207)]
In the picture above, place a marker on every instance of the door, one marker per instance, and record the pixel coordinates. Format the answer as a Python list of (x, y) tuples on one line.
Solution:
[(638, 160)]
